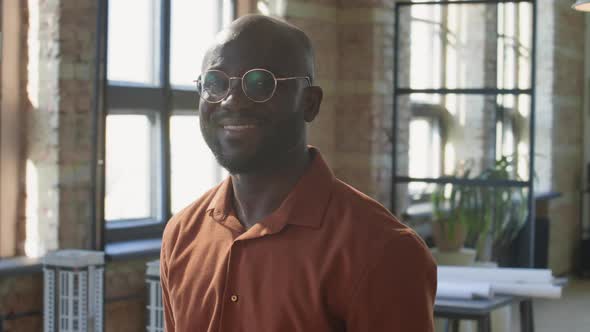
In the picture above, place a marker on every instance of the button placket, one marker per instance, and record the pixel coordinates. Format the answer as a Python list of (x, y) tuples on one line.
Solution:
[(229, 296), (234, 251)]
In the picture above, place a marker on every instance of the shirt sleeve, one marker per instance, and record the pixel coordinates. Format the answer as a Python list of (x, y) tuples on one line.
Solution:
[(397, 292), (168, 315)]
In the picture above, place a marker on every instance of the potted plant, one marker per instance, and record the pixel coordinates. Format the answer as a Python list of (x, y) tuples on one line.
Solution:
[(485, 217), (501, 213), (452, 207)]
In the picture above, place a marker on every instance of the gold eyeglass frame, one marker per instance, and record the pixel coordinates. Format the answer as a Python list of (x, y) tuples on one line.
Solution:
[(230, 78)]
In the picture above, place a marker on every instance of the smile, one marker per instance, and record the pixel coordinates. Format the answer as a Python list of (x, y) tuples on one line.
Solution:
[(239, 126)]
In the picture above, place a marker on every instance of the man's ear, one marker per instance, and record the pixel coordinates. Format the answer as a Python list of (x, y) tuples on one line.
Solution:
[(311, 105)]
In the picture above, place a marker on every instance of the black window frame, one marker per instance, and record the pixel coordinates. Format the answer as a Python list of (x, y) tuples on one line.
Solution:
[(160, 101), (435, 112), (398, 91)]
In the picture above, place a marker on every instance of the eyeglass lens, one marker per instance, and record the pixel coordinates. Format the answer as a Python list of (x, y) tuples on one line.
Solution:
[(214, 86), (259, 85)]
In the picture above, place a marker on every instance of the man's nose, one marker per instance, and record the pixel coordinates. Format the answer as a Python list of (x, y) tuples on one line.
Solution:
[(235, 95)]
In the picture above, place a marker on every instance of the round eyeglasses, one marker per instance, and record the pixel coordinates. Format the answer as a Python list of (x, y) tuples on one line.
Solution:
[(258, 84)]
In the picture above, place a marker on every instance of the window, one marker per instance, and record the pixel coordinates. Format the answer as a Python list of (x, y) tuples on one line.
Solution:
[(462, 99), (190, 20), (426, 47), (444, 54), (514, 63), (432, 65), (189, 154), (137, 64), (128, 174), (424, 153), (156, 160)]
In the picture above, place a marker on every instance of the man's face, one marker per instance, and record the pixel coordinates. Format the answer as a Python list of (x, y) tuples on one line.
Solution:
[(246, 136)]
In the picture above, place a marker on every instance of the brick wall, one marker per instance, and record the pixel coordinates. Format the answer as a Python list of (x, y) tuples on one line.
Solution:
[(353, 42), (76, 84), (22, 294), (42, 125), (25, 105), (365, 102), (474, 121), (61, 39), (59, 47), (126, 296), (564, 60)]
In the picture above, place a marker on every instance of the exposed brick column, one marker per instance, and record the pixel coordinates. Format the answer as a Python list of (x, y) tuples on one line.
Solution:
[(61, 40), (43, 120), (319, 20), (364, 109), (354, 61), (404, 111), (560, 85), (473, 126), (12, 140), (76, 84)]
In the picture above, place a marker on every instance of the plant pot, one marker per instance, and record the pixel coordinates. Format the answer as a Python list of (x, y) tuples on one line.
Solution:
[(461, 257), (446, 238)]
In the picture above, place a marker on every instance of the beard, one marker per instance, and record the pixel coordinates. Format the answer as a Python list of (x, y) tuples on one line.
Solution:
[(272, 151)]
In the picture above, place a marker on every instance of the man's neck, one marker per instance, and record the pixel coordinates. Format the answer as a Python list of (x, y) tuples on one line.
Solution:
[(257, 195)]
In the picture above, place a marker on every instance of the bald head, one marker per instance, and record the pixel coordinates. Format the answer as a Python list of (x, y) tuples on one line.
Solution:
[(249, 136), (257, 41)]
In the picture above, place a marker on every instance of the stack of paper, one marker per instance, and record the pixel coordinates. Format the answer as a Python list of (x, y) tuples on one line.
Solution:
[(482, 282)]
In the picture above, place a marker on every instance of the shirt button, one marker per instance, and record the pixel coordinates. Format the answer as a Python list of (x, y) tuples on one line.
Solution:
[(234, 298)]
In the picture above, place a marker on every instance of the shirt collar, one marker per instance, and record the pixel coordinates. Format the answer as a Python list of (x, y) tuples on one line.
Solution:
[(304, 206)]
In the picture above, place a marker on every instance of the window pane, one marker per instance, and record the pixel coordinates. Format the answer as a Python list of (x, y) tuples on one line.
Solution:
[(193, 27), (426, 47), (423, 61), (514, 45), (424, 152), (128, 185), (446, 47), (133, 41), (194, 169), (468, 134)]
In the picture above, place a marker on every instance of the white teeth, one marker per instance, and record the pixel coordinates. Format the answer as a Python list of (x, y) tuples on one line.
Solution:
[(238, 127)]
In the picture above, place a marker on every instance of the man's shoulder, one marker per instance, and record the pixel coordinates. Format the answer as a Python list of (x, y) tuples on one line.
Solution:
[(189, 216), (370, 234), (367, 221), (361, 210)]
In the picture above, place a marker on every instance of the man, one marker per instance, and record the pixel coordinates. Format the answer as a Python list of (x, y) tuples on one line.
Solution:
[(282, 245)]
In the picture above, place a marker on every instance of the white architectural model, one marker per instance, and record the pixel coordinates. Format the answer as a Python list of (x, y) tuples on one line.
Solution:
[(73, 291), (155, 308)]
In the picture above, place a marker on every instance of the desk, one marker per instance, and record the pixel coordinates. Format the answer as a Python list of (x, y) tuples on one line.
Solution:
[(480, 310)]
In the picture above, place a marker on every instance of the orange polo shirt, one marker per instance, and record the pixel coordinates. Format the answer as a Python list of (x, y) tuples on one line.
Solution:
[(328, 259)]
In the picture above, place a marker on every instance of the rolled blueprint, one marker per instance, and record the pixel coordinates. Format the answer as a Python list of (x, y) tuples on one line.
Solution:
[(494, 275), (547, 291), (464, 290)]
